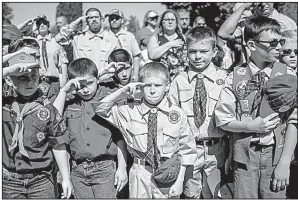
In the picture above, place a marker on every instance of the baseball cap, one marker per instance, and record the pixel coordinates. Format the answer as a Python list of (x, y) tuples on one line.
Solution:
[(23, 58), (280, 95), (116, 12)]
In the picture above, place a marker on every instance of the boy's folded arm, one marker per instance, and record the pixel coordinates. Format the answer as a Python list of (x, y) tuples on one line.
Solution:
[(60, 101)]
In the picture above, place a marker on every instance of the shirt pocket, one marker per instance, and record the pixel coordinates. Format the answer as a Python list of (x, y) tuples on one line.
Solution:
[(213, 99), (74, 120), (170, 140), (186, 101), (85, 50), (138, 133)]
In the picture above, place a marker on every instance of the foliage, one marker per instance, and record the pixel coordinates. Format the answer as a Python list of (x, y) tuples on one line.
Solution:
[(7, 15), (133, 24), (71, 11)]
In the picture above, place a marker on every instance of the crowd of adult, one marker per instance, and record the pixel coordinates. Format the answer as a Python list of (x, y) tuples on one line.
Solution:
[(216, 82)]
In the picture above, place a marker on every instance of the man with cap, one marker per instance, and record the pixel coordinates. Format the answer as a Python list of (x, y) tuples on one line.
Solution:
[(53, 57), (92, 42), (126, 39)]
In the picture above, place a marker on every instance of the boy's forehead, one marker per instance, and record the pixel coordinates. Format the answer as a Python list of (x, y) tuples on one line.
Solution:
[(155, 78), (290, 43), (201, 43), (268, 35)]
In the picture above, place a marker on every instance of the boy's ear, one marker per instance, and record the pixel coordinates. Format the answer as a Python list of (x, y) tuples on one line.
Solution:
[(9, 82), (215, 50), (251, 45)]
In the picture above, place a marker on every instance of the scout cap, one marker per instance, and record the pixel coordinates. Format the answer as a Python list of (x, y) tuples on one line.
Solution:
[(23, 58), (167, 173), (116, 12), (280, 95)]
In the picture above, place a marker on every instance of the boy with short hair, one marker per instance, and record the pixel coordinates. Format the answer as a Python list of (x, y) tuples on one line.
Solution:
[(259, 171), (32, 132), (156, 133), (93, 142), (197, 91), (288, 51)]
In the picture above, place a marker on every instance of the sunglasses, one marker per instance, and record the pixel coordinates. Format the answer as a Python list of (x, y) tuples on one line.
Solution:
[(112, 18), (287, 52), (169, 20), (273, 43), (155, 18), (39, 22)]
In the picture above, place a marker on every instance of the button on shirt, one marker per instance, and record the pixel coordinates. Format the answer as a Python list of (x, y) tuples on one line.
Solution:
[(182, 93), (89, 135), (43, 131), (56, 56), (225, 110), (128, 42), (86, 44), (173, 132)]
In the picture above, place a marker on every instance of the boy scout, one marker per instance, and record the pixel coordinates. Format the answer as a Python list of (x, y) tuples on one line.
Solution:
[(93, 143), (156, 133), (257, 140), (31, 133), (197, 91)]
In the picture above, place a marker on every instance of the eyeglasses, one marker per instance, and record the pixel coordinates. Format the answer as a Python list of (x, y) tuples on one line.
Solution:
[(273, 43), (169, 20), (287, 52), (155, 18), (113, 17)]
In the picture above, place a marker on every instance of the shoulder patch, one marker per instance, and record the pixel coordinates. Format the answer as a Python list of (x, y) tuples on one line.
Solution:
[(174, 117), (43, 114), (241, 88), (241, 71)]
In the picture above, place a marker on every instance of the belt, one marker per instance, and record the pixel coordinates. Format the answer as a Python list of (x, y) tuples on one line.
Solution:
[(49, 79), (92, 161), (143, 162), (254, 144), (7, 173), (207, 141)]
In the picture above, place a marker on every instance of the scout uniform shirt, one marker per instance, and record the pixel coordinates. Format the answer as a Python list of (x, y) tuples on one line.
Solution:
[(56, 56), (86, 44), (128, 42), (43, 131), (173, 132), (182, 93), (89, 135), (225, 111)]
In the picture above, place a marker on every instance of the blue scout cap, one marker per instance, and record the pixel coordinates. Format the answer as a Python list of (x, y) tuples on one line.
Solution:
[(280, 95), (167, 173)]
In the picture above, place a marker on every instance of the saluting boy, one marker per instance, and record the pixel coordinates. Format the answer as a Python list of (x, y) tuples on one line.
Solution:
[(32, 132), (157, 135), (196, 92)]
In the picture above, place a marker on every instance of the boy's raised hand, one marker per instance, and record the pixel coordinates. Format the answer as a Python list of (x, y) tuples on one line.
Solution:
[(73, 85), (264, 125), (133, 87), (19, 69)]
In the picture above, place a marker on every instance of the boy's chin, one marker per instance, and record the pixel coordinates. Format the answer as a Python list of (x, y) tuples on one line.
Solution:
[(27, 92)]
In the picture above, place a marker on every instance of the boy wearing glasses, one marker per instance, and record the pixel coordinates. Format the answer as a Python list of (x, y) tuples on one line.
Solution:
[(126, 40), (257, 140), (288, 52)]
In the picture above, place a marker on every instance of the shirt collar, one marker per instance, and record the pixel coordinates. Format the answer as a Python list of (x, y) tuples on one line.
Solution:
[(120, 32), (92, 35), (254, 69), (209, 72), (162, 106), (48, 37)]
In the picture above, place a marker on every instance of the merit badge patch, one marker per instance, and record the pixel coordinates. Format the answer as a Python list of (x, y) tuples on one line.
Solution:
[(43, 88), (40, 136), (244, 105), (43, 114), (241, 71), (62, 126), (174, 117), (219, 81), (241, 88)]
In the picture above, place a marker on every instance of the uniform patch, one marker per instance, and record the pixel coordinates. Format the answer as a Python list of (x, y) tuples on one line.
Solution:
[(43, 88), (284, 109), (22, 58), (241, 71), (244, 105), (174, 117), (241, 88), (219, 81), (43, 114), (40, 136)]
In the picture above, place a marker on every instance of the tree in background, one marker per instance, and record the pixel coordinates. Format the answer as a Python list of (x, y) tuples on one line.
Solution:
[(133, 25), (216, 13), (7, 15)]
